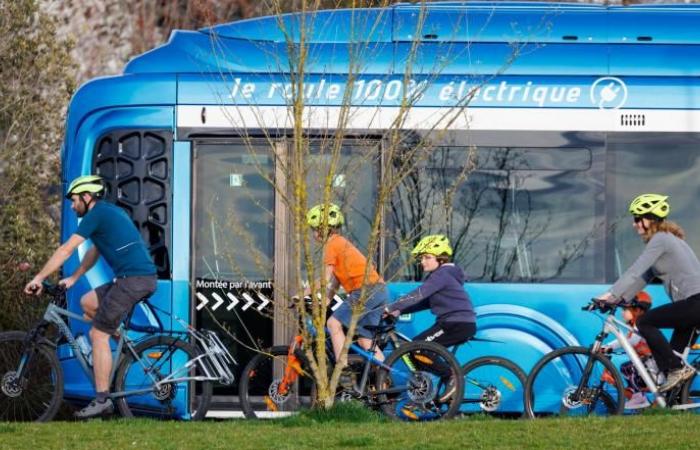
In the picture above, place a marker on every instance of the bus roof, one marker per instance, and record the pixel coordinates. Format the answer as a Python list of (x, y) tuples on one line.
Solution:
[(259, 45)]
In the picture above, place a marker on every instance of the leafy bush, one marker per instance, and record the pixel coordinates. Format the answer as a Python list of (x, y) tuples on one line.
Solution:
[(35, 85)]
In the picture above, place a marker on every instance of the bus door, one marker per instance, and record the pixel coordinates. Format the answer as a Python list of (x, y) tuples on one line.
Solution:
[(233, 244)]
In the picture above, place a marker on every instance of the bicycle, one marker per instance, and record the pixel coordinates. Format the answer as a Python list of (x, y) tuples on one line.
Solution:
[(149, 376), (407, 385), (493, 385), (578, 380)]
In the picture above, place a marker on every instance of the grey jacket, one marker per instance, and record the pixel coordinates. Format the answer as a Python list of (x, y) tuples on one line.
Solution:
[(666, 257)]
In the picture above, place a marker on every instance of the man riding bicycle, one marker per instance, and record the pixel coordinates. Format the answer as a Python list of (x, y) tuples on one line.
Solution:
[(116, 238)]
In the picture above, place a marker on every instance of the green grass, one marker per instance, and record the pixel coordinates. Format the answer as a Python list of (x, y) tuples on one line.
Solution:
[(351, 426)]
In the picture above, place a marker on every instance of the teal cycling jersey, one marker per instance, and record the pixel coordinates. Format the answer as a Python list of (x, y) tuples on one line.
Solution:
[(114, 234)]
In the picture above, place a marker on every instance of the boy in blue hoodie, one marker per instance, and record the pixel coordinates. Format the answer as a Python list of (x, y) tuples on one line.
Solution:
[(443, 292)]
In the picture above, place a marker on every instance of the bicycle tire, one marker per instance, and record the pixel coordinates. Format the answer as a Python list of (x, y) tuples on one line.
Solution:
[(494, 385), (258, 389), (420, 401), (690, 391), (155, 356), (557, 375), (38, 397)]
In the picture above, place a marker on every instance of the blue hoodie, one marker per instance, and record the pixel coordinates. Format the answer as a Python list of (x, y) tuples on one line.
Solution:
[(443, 292)]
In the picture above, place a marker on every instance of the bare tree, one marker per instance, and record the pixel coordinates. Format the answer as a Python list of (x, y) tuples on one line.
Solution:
[(326, 131)]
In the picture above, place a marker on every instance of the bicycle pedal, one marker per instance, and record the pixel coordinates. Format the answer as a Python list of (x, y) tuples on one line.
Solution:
[(410, 413)]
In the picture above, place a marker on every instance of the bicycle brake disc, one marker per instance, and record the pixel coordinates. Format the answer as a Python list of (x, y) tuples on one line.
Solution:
[(490, 399), (584, 397), (10, 386), (165, 391), (275, 395), (421, 387)]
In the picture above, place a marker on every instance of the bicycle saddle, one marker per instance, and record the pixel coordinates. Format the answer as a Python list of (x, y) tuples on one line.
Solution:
[(381, 328), (147, 313)]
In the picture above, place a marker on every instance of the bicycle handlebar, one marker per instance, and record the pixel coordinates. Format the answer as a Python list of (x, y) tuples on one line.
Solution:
[(600, 305), (308, 301), (57, 291)]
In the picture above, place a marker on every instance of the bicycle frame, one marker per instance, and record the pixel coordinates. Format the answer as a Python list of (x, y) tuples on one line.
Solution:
[(212, 360), (293, 369), (617, 328)]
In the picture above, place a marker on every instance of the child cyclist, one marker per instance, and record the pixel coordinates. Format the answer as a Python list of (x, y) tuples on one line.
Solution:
[(443, 292), (636, 387), (345, 266)]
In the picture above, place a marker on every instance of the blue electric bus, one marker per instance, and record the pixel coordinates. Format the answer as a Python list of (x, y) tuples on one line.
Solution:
[(571, 111)]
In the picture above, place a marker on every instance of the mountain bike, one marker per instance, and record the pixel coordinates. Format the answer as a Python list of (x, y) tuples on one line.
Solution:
[(583, 381), (408, 385), (150, 375), (492, 384)]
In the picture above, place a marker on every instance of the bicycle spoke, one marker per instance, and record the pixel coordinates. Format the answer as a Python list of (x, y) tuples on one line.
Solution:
[(271, 388), (37, 396), (493, 385), (690, 393), (157, 359), (573, 382), (416, 381)]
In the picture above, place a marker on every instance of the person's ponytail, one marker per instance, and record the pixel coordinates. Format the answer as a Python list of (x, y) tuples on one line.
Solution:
[(663, 226)]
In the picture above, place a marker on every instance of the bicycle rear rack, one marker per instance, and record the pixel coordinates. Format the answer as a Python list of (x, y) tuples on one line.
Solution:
[(216, 358)]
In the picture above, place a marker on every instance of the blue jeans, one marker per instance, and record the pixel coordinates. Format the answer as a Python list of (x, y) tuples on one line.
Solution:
[(378, 296)]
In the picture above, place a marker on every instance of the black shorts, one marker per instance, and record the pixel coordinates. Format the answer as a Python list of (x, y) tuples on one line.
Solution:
[(116, 298)]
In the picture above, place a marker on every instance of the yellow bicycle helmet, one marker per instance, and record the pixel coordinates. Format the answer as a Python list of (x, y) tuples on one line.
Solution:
[(650, 204), (316, 215), (435, 244), (92, 184)]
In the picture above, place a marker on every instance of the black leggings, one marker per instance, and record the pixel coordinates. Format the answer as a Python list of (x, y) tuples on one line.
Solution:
[(447, 334), (682, 316)]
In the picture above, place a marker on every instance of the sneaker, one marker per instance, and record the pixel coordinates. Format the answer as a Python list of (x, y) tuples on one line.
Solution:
[(637, 401), (450, 389), (95, 409), (676, 377)]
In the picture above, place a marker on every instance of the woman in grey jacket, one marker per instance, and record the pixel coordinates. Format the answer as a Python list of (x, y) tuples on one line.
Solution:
[(668, 257)]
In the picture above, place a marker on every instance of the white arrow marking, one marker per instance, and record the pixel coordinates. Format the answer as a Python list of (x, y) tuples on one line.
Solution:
[(234, 301), (218, 299), (203, 301), (249, 301), (264, 303), (338, 302)]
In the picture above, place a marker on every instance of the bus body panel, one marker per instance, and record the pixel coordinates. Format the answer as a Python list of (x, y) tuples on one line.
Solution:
[(569, 68)]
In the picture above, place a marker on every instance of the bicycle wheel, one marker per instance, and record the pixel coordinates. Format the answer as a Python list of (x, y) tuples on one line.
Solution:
[(493, 385), (273, 385), (573, 381), (690, 392), (38, 394), (415, 383), (155, 359)]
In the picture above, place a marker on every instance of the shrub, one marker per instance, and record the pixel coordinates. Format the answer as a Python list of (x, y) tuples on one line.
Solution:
[(35, 85)]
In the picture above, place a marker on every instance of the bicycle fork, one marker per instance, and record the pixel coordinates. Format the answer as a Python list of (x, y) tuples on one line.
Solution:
[(292, 369), (577, 395), (29, 348)]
